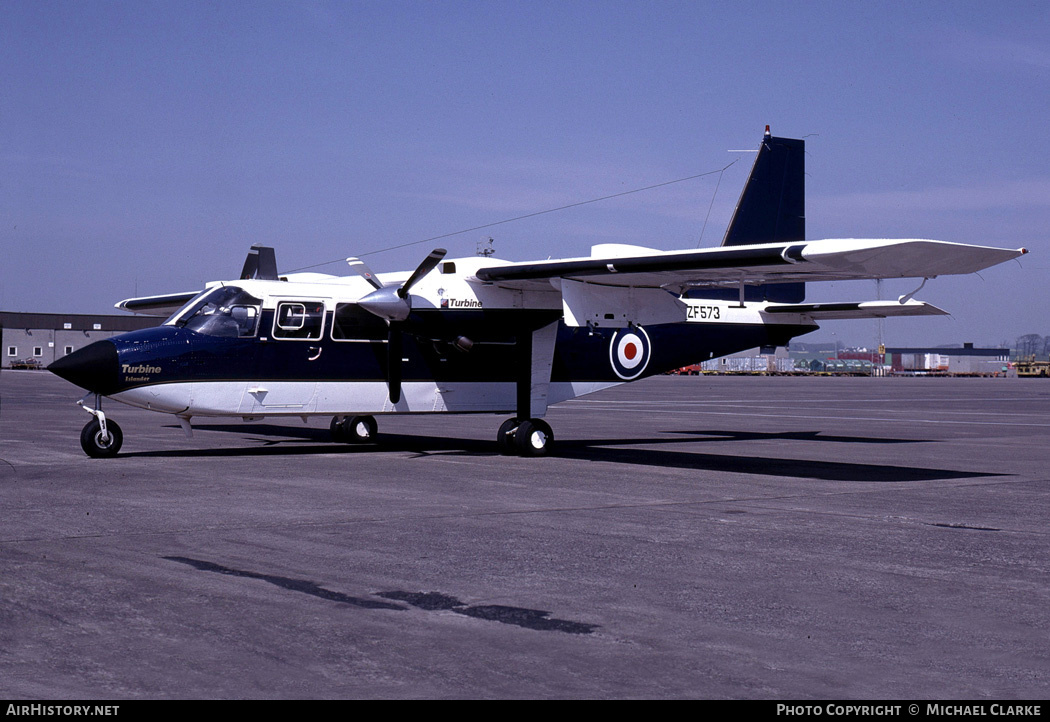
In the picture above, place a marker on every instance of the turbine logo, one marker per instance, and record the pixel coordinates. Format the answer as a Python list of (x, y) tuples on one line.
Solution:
[(460, 303), (629, 352), (140, 369)]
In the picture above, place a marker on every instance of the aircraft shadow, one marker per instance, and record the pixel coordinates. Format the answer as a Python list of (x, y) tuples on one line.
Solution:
[(306, 441), (721, 435), (537, 619)]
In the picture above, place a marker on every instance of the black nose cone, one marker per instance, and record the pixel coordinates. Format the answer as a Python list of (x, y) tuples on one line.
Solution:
[(93, 367)]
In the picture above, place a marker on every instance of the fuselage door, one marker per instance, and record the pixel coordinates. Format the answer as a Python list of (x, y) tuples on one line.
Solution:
[(285, 375)]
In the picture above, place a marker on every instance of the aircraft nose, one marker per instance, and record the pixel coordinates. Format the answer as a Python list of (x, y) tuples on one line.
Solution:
[(93, 367)]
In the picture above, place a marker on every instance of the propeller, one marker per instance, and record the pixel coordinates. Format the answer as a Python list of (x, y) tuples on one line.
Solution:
[(392, 304)]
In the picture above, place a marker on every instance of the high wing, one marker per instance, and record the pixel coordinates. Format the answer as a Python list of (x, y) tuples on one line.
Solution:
[(261, 263), (156, 305), (824, 260)]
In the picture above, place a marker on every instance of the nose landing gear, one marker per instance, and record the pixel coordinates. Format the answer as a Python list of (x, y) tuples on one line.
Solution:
[(101, 438)]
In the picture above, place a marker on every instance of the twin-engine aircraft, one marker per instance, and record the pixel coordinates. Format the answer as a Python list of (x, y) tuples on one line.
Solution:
[(482, 335)]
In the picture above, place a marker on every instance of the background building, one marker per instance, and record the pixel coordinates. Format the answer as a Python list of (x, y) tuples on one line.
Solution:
[(36, 339), (765, 360), (965, 361)]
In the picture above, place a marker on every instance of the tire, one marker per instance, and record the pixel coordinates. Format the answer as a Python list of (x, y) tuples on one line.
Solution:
[(534, 438), (361, 429), (338, 429), (505, 438), (91, 439)]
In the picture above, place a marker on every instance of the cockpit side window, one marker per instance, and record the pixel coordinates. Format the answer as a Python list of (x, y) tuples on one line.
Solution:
[(226, 311), (299, 320)]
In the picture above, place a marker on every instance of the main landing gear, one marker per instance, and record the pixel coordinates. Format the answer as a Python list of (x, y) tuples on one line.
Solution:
[(354, 429), (524, 437), (529, 437)]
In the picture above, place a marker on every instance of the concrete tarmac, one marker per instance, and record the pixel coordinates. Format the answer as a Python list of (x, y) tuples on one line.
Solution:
[(699, 537)]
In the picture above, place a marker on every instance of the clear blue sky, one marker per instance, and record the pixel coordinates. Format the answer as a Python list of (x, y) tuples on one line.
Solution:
[(144, 146)]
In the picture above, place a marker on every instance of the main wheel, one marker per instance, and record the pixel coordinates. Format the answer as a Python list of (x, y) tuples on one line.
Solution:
[(505, 437), (534, 438), (360, 429), (92, 443), (338, 429)]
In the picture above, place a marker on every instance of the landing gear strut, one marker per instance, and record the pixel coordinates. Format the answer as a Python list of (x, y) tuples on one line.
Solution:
[(528, 437), (525, 435), (354, 429)]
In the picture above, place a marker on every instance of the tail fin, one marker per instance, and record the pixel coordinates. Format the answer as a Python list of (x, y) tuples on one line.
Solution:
[(771, 209), (772, 206)]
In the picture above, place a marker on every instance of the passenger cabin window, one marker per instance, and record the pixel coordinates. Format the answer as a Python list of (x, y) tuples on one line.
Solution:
[(299, 320), (226, 311), (353, 323)]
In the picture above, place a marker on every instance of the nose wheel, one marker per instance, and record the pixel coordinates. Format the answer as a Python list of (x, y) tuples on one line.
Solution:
[(102, 437), (101, 444), (528, 437)]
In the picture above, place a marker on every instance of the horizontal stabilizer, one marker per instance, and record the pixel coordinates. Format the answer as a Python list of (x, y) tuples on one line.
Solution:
[(865, 309), (156, 305)]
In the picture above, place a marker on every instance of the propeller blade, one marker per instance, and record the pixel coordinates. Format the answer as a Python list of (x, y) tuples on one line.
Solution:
[(358, 266), (424, 268), (393, 363)]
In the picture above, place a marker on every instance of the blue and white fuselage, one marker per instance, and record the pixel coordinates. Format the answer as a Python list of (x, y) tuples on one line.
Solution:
[(481, 335), (304, 347)]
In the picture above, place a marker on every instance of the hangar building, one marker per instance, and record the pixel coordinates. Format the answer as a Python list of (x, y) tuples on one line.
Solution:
[(965, 361), (34, 340)]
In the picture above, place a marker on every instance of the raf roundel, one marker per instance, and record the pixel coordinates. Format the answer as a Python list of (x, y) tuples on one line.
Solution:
[(629, 352)]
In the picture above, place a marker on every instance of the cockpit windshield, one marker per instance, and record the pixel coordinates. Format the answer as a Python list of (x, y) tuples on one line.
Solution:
[(226, 311)]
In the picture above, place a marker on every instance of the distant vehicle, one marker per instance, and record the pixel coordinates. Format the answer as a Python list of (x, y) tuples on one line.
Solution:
[(1028, 367), (482, 335)]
